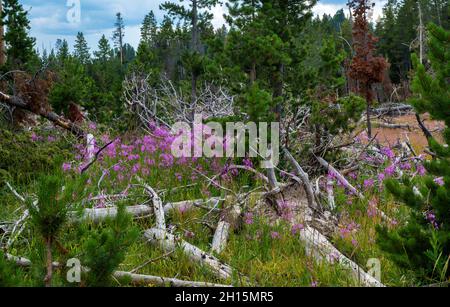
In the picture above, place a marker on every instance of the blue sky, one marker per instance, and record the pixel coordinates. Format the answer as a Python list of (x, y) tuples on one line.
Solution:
[(53, 19)]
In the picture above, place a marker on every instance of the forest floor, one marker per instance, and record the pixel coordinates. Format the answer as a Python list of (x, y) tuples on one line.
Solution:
[(265, 249)]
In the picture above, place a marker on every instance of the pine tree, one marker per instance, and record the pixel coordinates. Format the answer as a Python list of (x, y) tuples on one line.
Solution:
[(19, 45), (81, 49), (118, 35), (195, 14), (73, 85), (104, 248), (262, 40), (10, 275), (104, 52), (423, 244), (62, 50), (49, 214), (242, 16), (149, 29)]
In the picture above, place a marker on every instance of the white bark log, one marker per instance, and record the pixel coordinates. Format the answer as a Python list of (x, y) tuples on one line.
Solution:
[(157, 205), (169, 242), (100, 214), (190, 204), (221, 237), (347, 184), (330, 194), (304, 178), (341, 178), (90, 147), (148, 279), (135, 278), (320, 248), (24, 262)]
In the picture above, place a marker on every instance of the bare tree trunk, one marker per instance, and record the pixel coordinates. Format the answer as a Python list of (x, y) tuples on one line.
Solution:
[(369, 123), (121, 46), (424, 129), (253, 73), (48, 277), (420, 32), (2, 41), (278, 89), (195, 48)]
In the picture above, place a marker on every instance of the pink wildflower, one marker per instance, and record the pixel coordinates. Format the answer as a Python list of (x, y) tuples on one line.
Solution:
[(275, 235), (297, 228), (66, 167)]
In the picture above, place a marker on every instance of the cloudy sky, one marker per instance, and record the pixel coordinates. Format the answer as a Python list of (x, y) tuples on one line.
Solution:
[(53, 19)]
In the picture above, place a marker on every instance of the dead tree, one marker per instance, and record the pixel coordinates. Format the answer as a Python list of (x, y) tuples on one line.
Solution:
[(166, 104), (365, 68), (31, 96)]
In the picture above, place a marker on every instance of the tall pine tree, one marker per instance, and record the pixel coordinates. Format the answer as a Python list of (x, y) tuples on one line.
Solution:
[(195, 14), (81, 49), (104, 51), (118, 36), (149, 29), (19, 45)]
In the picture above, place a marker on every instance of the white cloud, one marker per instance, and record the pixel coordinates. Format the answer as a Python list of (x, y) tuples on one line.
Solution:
[(331, 8)]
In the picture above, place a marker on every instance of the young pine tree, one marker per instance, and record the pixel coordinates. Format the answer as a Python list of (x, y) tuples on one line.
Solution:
[(331, 114), (423, 244), (105, 248), (10, 275), (49, 214)]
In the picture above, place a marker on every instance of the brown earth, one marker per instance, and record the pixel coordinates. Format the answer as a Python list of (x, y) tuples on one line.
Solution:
[(393, 136)]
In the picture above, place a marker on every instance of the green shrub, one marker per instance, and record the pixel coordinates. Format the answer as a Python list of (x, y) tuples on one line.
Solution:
[(23, 160)]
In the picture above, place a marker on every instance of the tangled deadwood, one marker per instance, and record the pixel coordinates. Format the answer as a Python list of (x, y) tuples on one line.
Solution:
[(166, 104), (31, 96)]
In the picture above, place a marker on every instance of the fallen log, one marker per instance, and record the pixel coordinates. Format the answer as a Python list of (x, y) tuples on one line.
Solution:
[(393, 109), (24, 262), (220, 238), (304, 178), (140, 279), (135, 278), (318, 246), (97, 215), (230, 220), (190, 204), (18, 102), (347, 184), (157, 205), (392, 126), (169, 242)]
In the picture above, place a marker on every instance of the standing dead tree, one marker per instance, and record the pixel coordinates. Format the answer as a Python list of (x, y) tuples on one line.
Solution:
[(366, 68), (166, 104)]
